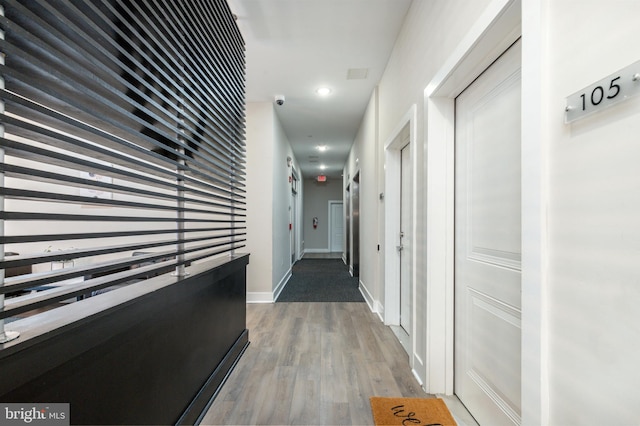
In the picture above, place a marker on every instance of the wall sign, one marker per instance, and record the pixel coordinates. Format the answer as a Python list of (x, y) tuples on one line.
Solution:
[(609, 91)]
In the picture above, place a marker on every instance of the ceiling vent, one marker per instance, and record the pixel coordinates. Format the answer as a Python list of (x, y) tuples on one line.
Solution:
[(357, 73)]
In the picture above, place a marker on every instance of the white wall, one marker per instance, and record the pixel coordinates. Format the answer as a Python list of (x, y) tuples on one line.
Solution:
[(363, 158), (269, 199), (259, 135), (594, 231), (580, 301), (282, 207), (431, 31), (316, 204)]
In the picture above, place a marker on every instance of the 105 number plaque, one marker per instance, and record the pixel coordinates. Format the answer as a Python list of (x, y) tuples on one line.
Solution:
[(607, 92)]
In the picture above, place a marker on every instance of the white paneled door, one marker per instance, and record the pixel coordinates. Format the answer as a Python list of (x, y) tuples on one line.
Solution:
[(336, 229), (487, 243)]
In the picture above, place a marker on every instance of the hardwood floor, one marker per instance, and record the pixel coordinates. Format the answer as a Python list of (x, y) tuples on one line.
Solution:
[(313, 364)]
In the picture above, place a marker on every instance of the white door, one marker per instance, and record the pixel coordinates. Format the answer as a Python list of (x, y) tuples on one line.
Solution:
[(336, 229), (405, 239), (487, 244)]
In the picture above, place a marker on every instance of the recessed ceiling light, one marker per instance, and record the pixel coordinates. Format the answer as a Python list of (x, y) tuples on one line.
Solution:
[(321, 148), (322, 167), (323, 91)]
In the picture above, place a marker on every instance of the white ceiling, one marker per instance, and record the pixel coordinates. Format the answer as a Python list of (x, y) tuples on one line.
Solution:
[(295, 46)]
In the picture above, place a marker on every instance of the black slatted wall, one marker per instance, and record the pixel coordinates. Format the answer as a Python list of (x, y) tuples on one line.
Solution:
[(123, 149)]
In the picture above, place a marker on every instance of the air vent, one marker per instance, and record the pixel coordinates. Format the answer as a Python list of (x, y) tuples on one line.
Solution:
[(357, 73)]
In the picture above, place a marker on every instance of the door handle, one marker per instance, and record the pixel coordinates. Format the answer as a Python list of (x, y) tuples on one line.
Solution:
[(400, 248)]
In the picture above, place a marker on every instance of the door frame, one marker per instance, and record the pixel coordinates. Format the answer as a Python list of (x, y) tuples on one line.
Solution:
[(331, 224), (295, 215), (347, 226), (392, 161), (496, 29), (354, 267)]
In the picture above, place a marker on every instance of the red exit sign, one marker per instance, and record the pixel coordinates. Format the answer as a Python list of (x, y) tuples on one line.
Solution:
[(322, 178)]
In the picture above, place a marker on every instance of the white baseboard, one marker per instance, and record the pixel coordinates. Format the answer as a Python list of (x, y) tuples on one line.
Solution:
[(317, 250), (283, 282), (418, 378), (374, 305), (367, 295), (379, 309), (269, 297), (259, 297)]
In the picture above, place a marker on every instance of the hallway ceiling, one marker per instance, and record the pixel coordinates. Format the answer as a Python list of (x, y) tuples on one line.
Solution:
[(296, 46)]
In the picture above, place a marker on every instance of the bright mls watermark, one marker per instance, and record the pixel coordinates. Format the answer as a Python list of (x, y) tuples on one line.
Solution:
[(34, 414)]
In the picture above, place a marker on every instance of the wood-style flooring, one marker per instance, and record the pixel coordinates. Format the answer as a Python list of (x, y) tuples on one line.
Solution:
[(313, 364)]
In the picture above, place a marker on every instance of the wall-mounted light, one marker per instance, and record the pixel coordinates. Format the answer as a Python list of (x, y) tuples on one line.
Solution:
[(289, 160)]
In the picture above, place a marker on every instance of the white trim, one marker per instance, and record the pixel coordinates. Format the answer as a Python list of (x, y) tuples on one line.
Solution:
[(374, 305), (392, 215), (417, 376), (283, 282), (259, 297), (439, 151), (379, 309), (392, 152), (368, 297), (496, 29), (535, 190), (316, 251)]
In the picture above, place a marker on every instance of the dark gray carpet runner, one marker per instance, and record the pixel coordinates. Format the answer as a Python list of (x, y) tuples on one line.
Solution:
[(321, 280)]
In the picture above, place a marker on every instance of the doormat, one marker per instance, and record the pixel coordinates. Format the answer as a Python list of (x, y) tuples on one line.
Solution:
[(410, 411)]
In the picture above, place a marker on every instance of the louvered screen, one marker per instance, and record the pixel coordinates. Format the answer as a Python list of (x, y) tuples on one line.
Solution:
[(123, 147)]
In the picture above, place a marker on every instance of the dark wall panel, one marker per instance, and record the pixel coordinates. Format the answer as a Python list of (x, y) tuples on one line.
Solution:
[(156, 360)]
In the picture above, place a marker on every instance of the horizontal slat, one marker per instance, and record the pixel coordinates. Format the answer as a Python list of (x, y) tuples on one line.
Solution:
[(22, 194), (148, 95), (119, 144), (14, 261), (76, 182), (160, 141), (43, 279), (28, 152), (89, 235), (65, 292), (7, 215), (98, 51)]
